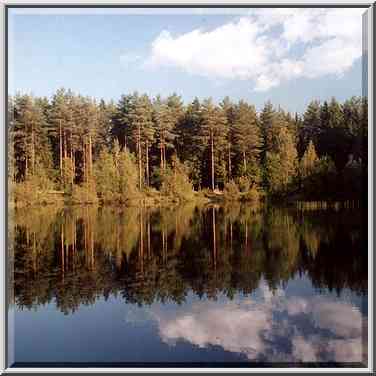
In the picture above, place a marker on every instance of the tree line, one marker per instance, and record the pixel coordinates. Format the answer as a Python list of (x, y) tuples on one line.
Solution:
[(115, 151)]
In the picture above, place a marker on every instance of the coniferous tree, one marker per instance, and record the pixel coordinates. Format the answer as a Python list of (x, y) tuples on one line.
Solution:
[(246, 134), (213, 128), (141, 125), (311, 125)]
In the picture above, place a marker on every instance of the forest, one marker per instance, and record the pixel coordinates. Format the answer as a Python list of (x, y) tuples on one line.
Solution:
[(76, 149)]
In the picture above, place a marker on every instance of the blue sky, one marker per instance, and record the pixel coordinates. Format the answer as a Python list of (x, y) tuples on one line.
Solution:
[(253, 56)]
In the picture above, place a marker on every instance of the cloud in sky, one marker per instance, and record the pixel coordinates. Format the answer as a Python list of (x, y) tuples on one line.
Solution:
[(267, 46)]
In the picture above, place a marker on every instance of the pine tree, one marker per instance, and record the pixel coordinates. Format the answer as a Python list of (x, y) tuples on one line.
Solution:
[(246, 134), (189, 142), (230, 111), (29, 137), (141, 125), (164, 125), (212, 132), (312, 125)]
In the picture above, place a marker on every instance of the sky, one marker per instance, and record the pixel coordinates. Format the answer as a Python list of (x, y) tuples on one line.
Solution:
[(286, 55)]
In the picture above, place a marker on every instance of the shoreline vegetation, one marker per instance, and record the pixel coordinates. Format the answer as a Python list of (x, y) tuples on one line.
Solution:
[(73, 150)]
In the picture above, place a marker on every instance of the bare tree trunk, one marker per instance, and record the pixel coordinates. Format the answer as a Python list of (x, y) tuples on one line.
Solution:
[(73, 167), (139, 157), (61, 151), (229, 162), (84, 158), (212, 161), (244, 162), (90, 164), (32, 150), (65, 144), (147, 164)]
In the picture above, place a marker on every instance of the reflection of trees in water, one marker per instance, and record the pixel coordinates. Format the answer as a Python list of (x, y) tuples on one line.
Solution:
[(76, 255)]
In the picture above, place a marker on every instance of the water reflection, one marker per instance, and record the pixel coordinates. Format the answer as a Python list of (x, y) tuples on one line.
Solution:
[(277, 329), (209, 276)]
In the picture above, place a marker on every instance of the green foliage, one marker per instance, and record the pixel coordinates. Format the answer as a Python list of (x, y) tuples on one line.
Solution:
[(35, 190), (321, 182), (130, 146), (231, 191), (308, 162), (281, 165), (175, 182), (253, 195), (84, 194), (116, 176), (244, 184)]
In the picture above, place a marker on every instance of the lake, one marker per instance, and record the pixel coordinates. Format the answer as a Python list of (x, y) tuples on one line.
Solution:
[(211, 285)]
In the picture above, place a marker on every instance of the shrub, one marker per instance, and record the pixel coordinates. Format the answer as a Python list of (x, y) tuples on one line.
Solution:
[(84, 194), (231, 191), (252, 195), (116, 176), (244, 184), (34, 190), (176, 184)]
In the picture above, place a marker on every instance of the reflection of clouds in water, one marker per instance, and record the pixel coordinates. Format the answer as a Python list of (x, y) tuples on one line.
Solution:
[(340, 317), (317, 329), (231, 327)]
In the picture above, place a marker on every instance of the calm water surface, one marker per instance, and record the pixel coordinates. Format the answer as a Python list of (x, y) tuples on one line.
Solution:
[(210, 285)]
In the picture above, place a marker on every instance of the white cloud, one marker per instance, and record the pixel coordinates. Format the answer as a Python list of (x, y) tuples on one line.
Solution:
[(268, 46)]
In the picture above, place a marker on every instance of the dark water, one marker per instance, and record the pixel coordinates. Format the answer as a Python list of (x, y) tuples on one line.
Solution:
[(212, 285)]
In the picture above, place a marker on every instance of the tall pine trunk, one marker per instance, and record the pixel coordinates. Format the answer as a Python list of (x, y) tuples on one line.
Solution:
[(229, 162), (90, 164), (65, 144), (139, 158), (32, 150), (212, 161), (61, 151), (147, 164), (84, 158), (244, 162), (73, 174)]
